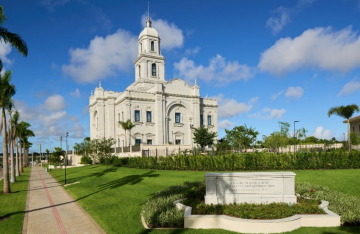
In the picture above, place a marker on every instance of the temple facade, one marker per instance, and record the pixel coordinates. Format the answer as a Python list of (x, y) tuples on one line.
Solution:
[(163, 111)]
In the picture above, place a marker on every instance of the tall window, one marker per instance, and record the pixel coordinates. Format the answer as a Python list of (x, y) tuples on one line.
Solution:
[(137, 141), (118, 116), (122, 116), (139, 71), (201, 120), (209, 119), (148, 116), (137, 116), (353, 128), (149, 142), (118, 142), (177, 117), (153, 68), (152, 46)]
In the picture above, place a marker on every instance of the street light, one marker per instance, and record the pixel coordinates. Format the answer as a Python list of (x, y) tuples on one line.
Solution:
[(295, 136), (67, 134)]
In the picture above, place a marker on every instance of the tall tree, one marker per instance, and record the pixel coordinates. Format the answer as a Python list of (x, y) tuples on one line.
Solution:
[(128, 125), (7, 90), (24, 133), (104, 148), (13, 39), (15, 126), (203, 137), (11, 142), (345, 112), (242, 136)]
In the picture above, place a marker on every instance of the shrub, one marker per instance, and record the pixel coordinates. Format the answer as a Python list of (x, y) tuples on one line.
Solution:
[(160, 211), (85, 160), (337, 159), (258, 211), (347, 206)]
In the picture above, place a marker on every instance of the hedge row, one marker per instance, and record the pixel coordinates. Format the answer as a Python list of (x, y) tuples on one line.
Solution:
[(337, 159)]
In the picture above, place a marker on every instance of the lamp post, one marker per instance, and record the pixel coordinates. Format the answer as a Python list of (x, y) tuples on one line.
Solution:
[(344, 137), (65, 161), (295, 136)]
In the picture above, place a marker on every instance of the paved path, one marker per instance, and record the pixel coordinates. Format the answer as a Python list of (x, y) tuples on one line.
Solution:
[(50, 209)]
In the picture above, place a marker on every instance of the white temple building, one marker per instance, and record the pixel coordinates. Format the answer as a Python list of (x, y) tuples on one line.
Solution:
[(163, 111)]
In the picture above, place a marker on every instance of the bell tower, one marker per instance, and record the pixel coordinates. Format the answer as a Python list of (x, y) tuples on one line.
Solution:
[(150, 64)]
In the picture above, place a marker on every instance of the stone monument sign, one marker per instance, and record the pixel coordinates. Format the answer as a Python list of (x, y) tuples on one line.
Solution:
[(250, 187)]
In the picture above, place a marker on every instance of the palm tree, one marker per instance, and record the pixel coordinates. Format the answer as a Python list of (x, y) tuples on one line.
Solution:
[(345, 112), (8, 37), (23, 133), (11, 143), (14, 127), (128, 125), (7, 90)]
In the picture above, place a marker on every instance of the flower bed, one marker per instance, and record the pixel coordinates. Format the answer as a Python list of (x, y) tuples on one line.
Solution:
[(195, 199)]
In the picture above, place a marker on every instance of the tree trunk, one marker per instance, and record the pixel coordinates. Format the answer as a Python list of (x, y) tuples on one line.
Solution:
[(24, 155), (12, 170), (5, 156), (349, 143), (17, 158), (21, 158)]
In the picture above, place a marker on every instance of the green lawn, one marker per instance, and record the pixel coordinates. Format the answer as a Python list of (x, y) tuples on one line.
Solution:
[(114, 198), (13, 205)]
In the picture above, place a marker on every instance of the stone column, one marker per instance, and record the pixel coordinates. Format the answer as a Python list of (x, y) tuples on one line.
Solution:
[(101, 118), (110, 118), (159, 115)]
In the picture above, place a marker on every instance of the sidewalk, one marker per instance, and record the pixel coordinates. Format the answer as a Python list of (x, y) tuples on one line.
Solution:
[(50, 209)]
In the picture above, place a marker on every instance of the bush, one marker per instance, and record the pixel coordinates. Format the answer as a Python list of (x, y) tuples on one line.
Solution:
[(347, 206), (258, 211), (160, 211), (85, 160), (336, 159)]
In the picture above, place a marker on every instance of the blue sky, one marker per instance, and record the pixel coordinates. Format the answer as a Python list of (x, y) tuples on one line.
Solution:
[(265, 61)]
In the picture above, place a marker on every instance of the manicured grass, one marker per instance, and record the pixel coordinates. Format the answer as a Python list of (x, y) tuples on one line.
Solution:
[(114, 198), (13, 205)]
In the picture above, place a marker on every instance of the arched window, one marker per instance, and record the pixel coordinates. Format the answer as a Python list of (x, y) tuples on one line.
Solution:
[(139, 71), (153, 68), (152, 46)]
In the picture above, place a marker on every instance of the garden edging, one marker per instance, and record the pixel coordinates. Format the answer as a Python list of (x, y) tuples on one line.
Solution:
[(330, 219)]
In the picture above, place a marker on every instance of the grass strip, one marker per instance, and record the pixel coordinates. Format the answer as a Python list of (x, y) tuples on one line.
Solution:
[(12, 205)]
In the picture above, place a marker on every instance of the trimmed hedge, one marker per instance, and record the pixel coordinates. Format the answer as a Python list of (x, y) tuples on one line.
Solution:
[(160, 211), (337, 159)]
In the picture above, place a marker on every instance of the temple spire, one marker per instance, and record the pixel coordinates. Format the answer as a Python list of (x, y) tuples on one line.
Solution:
[(148, 22)]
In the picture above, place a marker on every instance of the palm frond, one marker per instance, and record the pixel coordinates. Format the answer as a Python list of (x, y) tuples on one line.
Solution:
[(15, 40)]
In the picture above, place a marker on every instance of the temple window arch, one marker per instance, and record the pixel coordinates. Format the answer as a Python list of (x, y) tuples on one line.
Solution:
[(153, 69), (152, 46), (139, 71)]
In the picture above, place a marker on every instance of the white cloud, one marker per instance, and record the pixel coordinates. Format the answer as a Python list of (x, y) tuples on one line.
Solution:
[(52, 4), (268, 114), (5, 49), (170, 34), (55, 103), (323, 134), (47, 122), (294, 92), (192, 51), (226, 124), (319, 48), (279, 19), (219, 70), (276, 95), (229, 107), (105, 56), (350, 88), (76, 93), (282, 16)]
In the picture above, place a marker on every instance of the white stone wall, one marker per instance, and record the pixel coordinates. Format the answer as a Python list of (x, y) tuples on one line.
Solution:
[(150, 93)]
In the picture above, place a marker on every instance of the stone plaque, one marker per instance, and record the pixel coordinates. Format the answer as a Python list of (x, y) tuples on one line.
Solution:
[(252, 187)]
